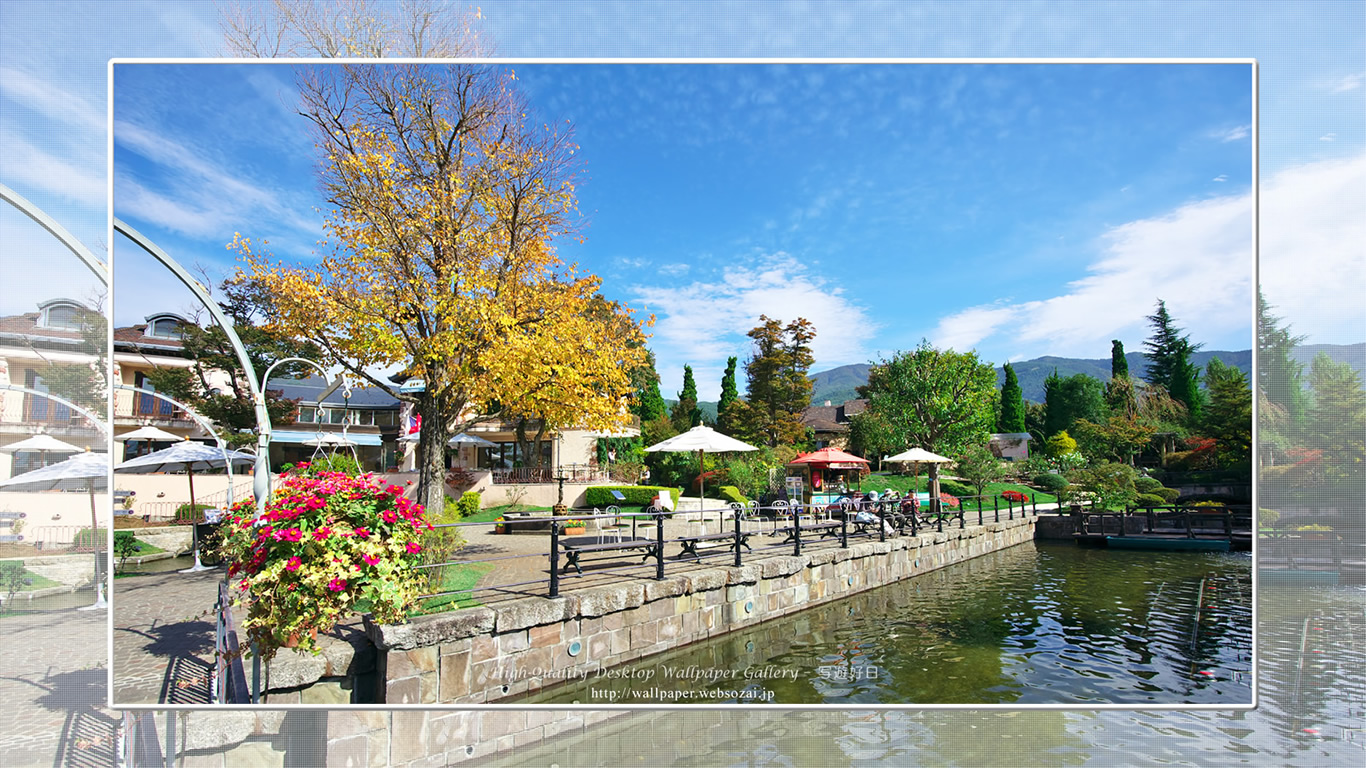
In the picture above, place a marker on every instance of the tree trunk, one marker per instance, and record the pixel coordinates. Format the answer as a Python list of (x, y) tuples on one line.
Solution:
[(431, 468)]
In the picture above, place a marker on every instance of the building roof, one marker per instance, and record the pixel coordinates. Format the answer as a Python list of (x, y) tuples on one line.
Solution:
[(135, 336), (25, 327), (832, 418)]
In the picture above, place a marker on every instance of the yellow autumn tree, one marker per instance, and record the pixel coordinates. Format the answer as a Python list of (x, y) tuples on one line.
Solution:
[(446, 204)]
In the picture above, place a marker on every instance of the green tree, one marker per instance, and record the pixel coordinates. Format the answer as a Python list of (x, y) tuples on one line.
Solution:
[(685, 414), (979, 466), (1066, 400), (1111, 484), (1169, 364), (1283, 402), (870, 435), (647, 404), (779, 387), (1336, 422), (1012, 418), (939, 400), (1228, 417), (1115, 438), (1060, 444), (1119, 364), (728, 407)]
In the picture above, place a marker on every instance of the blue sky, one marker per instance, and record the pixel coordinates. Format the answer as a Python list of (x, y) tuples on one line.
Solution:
[(884, 202), (1017, 210)]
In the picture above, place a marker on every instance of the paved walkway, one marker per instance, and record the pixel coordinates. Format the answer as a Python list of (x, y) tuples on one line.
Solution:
[(53, 676)]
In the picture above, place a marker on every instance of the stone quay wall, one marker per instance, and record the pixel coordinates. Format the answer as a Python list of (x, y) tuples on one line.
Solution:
[(488, 653)]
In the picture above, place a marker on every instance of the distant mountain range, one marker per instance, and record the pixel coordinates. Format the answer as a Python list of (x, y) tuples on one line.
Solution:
[(839, 384)]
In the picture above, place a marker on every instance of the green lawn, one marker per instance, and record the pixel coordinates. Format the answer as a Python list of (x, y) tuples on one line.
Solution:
[(454, 577)]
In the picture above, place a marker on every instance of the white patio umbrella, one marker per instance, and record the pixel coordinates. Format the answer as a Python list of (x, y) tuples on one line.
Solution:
[(701, 439), (84, 471), (918, 456), (152, 434), (188, 457), (42, 445)]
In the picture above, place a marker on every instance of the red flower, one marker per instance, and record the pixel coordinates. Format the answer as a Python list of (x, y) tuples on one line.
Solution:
[(414, 547), (389, 516), (321, 533), (336, 585)]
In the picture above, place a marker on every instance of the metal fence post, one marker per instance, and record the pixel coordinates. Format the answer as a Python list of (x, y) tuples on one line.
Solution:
[(554, 558), (737, 538), (170, 738), (844, 529), (996, 507), (796, 528), (659, 544)]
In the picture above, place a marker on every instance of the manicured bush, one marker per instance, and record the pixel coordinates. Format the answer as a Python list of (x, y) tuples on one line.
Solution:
[(1050, 482), (1168, 495), (1146, 484), (636, 495), (1015, 496), (1149, 500), (185, 514), (732, 494), (470, 504)]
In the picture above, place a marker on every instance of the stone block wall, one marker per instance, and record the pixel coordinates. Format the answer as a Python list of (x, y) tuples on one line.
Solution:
[(488, 653)]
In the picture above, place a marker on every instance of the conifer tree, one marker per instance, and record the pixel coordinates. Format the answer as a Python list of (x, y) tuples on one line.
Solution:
[(1012, 404), (1169, 361), (685, 414), (727, 411)]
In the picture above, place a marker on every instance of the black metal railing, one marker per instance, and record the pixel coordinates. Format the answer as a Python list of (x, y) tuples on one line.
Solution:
[(229, 676)]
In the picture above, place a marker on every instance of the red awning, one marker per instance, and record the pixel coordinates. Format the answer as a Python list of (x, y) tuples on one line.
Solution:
[(832, 458)]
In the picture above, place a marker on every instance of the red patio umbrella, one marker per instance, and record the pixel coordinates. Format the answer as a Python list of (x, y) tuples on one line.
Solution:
[(830, 458)]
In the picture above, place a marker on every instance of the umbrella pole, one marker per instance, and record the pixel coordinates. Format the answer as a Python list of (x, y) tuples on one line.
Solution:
[(95, 550), (701, 491), (194, 526)]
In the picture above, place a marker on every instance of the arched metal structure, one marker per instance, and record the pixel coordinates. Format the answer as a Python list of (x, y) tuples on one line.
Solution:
[(261, 472), (58, 231)]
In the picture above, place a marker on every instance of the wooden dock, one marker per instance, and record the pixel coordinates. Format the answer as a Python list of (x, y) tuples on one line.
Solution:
[(1175, 528)]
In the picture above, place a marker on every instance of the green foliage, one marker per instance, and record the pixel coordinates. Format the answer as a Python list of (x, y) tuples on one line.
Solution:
[(731, 493), (636, 495), (778, 386), (1116, 438), (938, 400), (13, 578), (1167, 494), (1145, 484), (1111, 483), (1066, 400), (647, 404), (1314, 527), (1060, 444), (1119, 364), (955, 488), (1337, 421), (185, 513), (1169, 361), (470, 503), (125, 546), (87, 539), (1149, 500), (685, 414), (1266, 518), (870, 434), (978, 466), (338, 461), (1280, 378), (727, 408), (1050, 482), (1012, 415), (1228, 417), (627, 449)]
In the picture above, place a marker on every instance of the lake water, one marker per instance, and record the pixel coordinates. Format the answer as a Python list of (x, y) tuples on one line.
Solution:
[(1034, 624), (1311, 713)]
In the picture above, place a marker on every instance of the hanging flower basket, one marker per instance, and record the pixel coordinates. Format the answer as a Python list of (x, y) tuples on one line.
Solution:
[(328, 546)]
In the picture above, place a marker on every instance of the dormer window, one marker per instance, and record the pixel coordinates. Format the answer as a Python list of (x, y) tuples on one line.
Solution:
[(165, 327), (61, 314)]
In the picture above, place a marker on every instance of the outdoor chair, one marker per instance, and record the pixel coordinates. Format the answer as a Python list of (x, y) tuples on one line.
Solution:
[(605, 527)]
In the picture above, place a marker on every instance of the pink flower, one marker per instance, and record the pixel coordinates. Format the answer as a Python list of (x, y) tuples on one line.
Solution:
[(321, 533), (292, 534), (362, 533), (389, 516), (369, 559), (414, 547), (336, 585), (293, 564)]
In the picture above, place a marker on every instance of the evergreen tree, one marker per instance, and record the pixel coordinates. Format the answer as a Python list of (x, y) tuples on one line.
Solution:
[(1228, 419), (1280, 378), (1169, 364), (727, 411), (1012, 418), (647, 404), (1119, 365), (1336, 422), (779, 387), (685, 414), (1066, 400)]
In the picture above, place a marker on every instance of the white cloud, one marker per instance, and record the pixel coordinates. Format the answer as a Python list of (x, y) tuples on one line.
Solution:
[(674, 270), (703, 323), (1349, 83), (78, 179), (1313, 249), (1328, 137), (1220, 177), (52, 101), (1198, 258), (1232, 134)]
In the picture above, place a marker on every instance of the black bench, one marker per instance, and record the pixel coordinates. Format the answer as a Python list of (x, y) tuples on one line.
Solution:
[(827, 528), (577, 548), (690, 542)]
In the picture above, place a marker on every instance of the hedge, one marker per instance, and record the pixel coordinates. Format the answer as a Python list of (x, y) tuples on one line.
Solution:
[(636, 495), (1050, 482), (1149, 500), (1146, 485), (732, 494)]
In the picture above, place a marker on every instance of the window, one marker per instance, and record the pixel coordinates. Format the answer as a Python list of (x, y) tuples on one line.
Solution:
[(386, 418), (363, 418), (163, 328), (66, 317), (307, 414), (334, 415)]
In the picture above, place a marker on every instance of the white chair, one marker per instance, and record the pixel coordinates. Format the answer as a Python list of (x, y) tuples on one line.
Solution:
[(604, 527)]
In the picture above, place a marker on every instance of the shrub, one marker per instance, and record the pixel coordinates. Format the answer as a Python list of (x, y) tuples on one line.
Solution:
[(186, 514), (732, 494), (1014, 496), (1314, 527), (956, 488), (1168, 495), (88, 539), (1050, 482), (1149, 500), (125, 546), (1146, 484), (948, 500), (470, 504), (636, 495), (1267, 517)]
